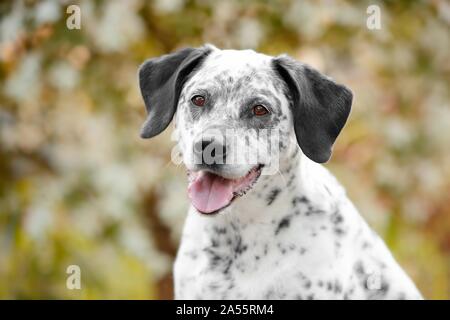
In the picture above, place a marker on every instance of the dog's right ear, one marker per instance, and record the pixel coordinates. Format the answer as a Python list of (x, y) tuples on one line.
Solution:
[(161, 80)]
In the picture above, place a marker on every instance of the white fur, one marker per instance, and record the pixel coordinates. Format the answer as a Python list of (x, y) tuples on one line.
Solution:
[(248, 251)]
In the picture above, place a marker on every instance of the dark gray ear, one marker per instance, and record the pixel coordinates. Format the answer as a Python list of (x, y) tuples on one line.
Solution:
[(320, 107), (161, 80)]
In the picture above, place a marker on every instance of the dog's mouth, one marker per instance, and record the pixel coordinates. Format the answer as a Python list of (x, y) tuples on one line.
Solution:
[(210, 193)]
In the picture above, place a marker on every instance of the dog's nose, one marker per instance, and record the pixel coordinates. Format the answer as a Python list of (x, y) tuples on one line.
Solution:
[(210, 151)]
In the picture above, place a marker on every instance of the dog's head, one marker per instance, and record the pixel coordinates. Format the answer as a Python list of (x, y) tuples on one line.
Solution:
[(235, 114)]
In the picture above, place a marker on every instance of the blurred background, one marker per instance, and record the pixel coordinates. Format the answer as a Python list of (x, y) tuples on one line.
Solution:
[(79, 187)]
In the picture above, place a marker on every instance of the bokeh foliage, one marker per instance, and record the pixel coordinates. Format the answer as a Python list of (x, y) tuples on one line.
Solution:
[(78, 186)]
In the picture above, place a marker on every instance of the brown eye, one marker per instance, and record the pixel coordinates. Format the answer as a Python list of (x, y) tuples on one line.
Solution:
[(260, 110), (198, 100)]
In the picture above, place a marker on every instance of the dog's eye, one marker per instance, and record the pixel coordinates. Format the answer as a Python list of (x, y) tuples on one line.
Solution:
[(260, 110), (198, 100)]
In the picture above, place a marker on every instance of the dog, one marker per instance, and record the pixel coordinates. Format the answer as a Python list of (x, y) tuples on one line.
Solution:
[(292, 234)]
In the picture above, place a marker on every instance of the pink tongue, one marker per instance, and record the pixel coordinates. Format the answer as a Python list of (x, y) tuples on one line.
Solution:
[(209, 192)]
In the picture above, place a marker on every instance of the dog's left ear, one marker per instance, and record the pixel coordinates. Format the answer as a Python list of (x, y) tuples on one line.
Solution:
[(161, 80), (320, 107)]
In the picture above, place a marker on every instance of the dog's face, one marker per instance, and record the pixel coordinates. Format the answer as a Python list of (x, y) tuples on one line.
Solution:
[(236, 112), (230, 111)]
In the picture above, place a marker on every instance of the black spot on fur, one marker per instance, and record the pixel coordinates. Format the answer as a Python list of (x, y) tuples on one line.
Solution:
[(339, 231), (291, 180), (270, 294), (214, 286), (214, 258), (307, 284), (329, 286), (336, 218), (328, 190), (220, 230), (266, 249), (359, 268), (297, 200), (284, 223), (227, 266), (313, 211), (273, 196), (337, 287), (366, 245)]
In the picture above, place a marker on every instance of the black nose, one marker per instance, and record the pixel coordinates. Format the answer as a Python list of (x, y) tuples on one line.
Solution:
[(210, 151)]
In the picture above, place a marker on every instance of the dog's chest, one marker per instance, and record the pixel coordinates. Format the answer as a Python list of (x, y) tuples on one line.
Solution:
[(282, 259)]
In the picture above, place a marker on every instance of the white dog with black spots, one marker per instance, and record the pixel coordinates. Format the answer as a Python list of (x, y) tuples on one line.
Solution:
[(255, 232)]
